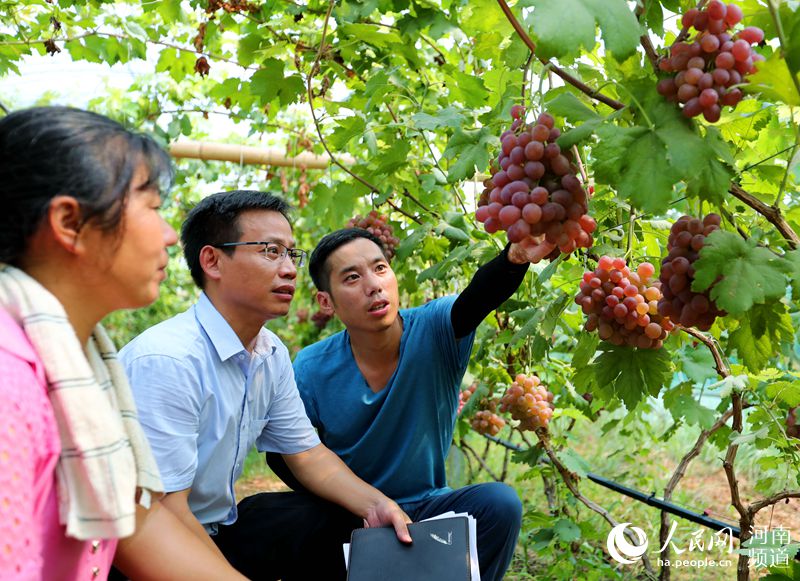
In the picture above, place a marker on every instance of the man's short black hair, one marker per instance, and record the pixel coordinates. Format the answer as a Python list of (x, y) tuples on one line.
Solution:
[(318, 265), (215, 220)]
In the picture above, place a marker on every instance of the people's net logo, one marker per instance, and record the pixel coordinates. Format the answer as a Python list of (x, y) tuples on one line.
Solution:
[(623, 551)]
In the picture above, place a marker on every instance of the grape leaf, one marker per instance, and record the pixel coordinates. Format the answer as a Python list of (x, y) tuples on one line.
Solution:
[(574, 462), (566, 530), (349, 127), (634, 161), (750, 274), (471, 148), (645, 161), (447, 117), (563, 36), (268, 82), (630, 374), (774, 81), (697, 364), (791, 267), (760, 333), (786, 391), (587, 345), (681, 404)]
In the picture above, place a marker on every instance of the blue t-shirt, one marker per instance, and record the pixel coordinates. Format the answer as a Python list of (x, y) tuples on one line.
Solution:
[(396, 439)]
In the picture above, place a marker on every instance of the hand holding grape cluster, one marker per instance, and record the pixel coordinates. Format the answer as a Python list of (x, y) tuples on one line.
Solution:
[(534, 194), (710, 69)]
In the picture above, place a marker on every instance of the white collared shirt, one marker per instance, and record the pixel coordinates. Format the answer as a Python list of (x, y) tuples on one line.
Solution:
[(204, 401)]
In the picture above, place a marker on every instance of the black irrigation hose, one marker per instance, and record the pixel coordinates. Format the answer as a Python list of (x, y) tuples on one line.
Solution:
[(649, 499)]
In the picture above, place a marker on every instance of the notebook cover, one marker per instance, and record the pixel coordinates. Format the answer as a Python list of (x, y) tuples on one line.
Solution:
[(440, 552)]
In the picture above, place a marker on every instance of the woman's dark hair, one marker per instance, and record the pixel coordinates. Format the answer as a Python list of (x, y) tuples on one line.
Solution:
[(51, 151), (318, 265), (215, 220)]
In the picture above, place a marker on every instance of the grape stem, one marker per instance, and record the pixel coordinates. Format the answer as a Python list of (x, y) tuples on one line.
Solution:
[(719, 363), (467, 448), (685, 30), (334, 160), (644, 40), (613, 103), (571, 480), (771, 213)]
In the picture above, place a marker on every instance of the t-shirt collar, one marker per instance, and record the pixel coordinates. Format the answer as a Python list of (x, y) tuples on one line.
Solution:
[(222, 336)]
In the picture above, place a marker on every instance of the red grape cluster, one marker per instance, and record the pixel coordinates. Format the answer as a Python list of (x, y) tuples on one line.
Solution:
[(623, 305), (793, 423), (485, 420), (710, 69), (377, 225), (533, 189), (320, 319), (529, 402), (680, 303), (464, 396)]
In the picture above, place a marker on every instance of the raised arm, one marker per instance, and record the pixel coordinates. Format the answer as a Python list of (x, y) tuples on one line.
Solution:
[(493, 283)]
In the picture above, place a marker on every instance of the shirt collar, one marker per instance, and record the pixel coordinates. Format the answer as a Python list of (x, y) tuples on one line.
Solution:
[(222, 336)]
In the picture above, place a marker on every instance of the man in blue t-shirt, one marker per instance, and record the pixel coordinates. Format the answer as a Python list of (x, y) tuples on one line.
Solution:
[(383, 394)]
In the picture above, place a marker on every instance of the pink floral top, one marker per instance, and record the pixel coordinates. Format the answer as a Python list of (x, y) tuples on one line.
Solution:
[(32, 542)]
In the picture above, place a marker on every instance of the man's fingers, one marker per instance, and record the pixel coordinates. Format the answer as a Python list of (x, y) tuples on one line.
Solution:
[(541, 250), (401, 529)]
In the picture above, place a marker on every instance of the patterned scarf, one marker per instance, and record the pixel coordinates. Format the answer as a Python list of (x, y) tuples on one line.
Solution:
[(105, 456)]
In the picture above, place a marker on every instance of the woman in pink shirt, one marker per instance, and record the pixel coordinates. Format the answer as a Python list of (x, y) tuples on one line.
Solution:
[(80, 237)]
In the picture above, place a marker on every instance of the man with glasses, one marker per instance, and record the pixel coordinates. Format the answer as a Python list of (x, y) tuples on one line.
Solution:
[(212, 382)]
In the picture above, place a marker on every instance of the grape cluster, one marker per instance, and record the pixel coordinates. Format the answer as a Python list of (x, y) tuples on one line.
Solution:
[(377, 225), (320, 319), (680, 303), (464, 396), (622, 305), (533, 189), (793, 423), (529, 402), (710, 69), (486, 420)]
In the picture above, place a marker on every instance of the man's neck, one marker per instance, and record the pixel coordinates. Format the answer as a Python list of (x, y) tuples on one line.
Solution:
[(377, 353), (247, 327)]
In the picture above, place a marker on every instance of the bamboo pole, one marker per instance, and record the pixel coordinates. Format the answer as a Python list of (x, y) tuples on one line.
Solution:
[(248, 154)]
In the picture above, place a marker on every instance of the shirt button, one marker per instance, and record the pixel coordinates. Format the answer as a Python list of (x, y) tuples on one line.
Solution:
[(95, 546), (95, 572)]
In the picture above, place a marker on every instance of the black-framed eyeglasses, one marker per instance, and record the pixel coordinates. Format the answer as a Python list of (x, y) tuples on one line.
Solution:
[(273, 251)]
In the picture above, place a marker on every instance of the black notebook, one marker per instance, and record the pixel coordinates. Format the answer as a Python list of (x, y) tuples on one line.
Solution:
[(440, 552)]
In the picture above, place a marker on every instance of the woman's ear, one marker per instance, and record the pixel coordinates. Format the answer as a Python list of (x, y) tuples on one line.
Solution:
[(325, 301), (65, 219)]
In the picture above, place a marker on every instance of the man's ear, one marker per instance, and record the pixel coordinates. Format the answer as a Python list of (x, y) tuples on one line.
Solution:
[(325, 301), (65, 219), (210, 263)]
